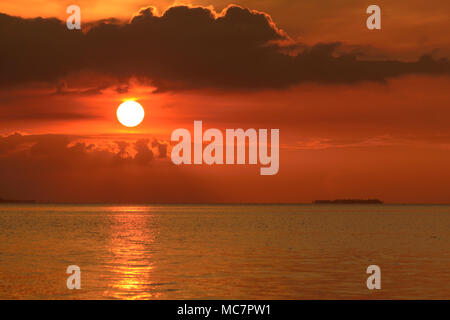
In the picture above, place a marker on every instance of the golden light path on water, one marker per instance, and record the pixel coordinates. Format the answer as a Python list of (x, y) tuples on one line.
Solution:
[(132, 267)]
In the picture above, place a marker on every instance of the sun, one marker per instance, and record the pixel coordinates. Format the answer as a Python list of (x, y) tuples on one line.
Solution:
[(130, 113)]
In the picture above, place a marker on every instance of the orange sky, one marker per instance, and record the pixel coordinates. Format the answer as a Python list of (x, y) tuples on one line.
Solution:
[(388, 139)]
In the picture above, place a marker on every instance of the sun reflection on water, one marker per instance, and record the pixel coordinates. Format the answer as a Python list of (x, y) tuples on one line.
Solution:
[(131, 247)]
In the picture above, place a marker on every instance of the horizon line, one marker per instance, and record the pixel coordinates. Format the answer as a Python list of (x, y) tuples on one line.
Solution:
[(32, 202)]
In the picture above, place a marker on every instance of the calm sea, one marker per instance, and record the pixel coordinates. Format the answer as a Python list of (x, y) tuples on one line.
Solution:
[(229, 252)]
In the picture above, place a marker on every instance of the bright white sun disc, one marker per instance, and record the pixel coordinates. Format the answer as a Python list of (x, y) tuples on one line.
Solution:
[(130, 113)]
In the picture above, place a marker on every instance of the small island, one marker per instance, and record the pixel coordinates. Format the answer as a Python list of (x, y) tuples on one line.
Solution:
[(349, 201)]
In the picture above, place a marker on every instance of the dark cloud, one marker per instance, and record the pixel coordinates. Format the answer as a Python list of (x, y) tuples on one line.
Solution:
[(63, 151), (144, 154), (36, 49), (185, 48), (161, 147), (62, 168)]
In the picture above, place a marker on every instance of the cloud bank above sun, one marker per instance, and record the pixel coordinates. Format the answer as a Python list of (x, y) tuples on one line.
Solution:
[(187, 48)]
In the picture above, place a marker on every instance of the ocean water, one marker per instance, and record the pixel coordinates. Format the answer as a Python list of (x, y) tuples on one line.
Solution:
[(224, 252)]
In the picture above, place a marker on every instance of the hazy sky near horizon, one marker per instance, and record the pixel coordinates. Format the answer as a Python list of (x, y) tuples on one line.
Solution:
[(361, 113)]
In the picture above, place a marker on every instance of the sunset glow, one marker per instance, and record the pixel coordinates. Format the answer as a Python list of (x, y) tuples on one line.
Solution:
[(353, 106)]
